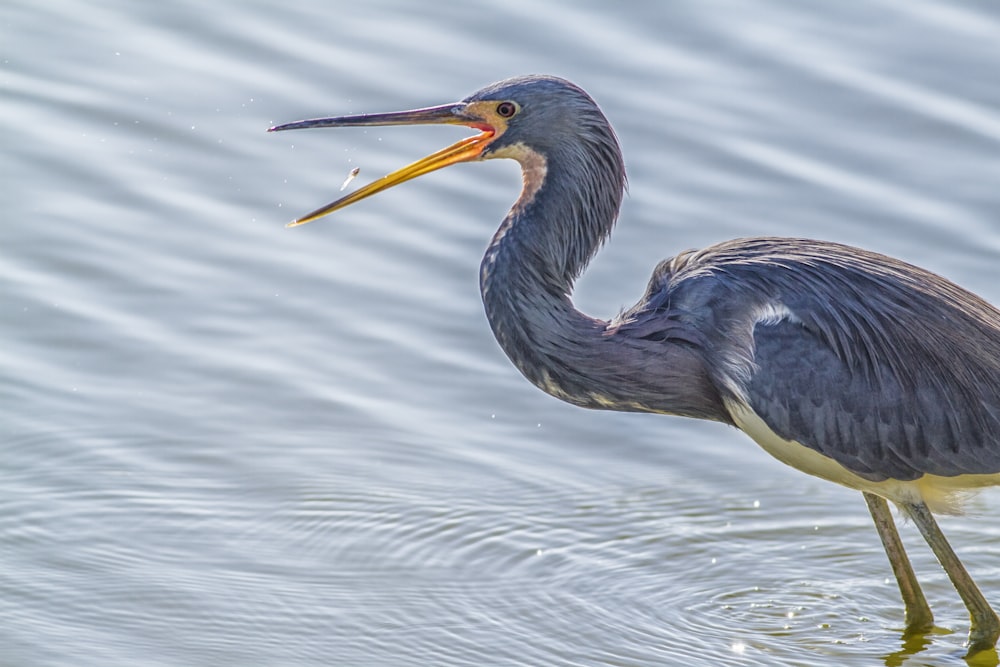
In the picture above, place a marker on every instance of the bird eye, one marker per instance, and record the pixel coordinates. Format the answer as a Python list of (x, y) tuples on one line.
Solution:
[(506, 109)]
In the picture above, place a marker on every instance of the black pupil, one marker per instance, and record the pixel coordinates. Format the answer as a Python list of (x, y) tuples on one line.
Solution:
[(505, 109)]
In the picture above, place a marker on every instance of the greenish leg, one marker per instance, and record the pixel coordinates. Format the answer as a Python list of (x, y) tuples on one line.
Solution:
[(919, 618), (985, 625)]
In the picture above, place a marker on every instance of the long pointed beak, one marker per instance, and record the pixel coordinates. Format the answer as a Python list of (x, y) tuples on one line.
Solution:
[(465, 150)]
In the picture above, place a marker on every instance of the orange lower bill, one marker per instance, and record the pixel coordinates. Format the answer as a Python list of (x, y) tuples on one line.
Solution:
[(465, 150)]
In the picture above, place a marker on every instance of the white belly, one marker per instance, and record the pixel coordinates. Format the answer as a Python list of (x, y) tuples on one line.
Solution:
[(941, 494)]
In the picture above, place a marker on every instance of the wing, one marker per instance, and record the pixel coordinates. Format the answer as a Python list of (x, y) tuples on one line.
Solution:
[(805, 392), (888, 369)]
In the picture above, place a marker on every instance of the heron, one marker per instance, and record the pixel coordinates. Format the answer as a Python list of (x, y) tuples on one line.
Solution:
[(846, 364)]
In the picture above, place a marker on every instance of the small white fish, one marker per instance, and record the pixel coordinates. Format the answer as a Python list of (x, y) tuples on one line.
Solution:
[(350, 177)]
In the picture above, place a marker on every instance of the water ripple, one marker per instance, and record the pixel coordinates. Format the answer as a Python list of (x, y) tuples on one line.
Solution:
[(228, 443)]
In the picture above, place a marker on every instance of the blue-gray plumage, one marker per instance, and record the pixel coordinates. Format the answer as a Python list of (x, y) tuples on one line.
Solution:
[(888, 369), (844, 363)]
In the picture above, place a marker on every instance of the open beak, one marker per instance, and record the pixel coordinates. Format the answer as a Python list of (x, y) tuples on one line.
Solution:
[(465, 150)]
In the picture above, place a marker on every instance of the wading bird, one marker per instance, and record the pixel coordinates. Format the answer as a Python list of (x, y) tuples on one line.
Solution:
[(846, 364)]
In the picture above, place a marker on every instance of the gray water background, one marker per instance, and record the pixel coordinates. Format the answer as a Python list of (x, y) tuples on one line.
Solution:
[(224, 442)]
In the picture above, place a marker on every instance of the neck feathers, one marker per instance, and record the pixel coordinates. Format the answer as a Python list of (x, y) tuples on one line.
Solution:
[(566, 211)]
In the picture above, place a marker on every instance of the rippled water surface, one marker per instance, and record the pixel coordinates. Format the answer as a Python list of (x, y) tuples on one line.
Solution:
[(225, 442)]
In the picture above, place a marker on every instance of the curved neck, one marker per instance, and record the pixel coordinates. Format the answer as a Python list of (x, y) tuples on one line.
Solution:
[(531, 314), (527, 274), (526, 279)]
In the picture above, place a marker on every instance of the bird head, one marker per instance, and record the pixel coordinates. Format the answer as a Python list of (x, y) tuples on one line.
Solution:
[(525, 118)]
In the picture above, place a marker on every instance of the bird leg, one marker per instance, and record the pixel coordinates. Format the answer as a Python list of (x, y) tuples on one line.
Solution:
[(985, 627), (919, 618)]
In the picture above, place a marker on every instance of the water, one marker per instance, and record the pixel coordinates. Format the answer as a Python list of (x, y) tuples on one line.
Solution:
[(225, 442)]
